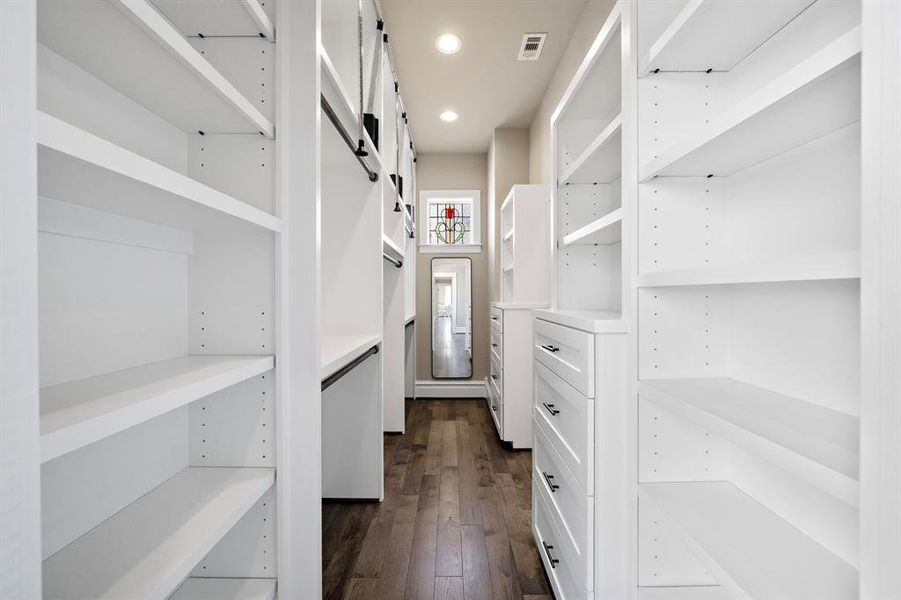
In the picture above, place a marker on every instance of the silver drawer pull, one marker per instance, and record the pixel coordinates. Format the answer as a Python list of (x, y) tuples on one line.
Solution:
[(550, 348), (547, 551), (550, 408), (554, 487)]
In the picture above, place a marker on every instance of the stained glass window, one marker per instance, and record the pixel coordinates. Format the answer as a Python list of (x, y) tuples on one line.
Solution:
[(450, 221)]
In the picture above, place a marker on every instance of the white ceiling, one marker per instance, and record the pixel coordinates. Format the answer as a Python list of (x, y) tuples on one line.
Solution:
[(483, 82)]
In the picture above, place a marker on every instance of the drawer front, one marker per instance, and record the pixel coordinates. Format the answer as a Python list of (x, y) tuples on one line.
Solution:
[(568, 572), (497, 318), (567, 352), (496, 408), (568, 499), (567, 417), (497, 345), (497, 376)]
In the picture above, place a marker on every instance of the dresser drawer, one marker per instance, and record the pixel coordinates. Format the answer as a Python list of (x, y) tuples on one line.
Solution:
[(496, 408), (497, 344), (571, 504), (497, 376), (497, 318), (567, 570), (567, 417), (567, 352)]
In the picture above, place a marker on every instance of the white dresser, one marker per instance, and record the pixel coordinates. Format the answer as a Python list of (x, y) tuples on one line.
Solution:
[(579, 387), (510, 383)]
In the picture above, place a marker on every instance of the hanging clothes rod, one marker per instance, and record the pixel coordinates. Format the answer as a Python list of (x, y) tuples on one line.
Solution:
[(327, 109), (394, 261), (331, 379)]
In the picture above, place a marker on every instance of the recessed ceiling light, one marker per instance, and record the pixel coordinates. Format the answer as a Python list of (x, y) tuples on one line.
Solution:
[(448, 116), (448, 43)]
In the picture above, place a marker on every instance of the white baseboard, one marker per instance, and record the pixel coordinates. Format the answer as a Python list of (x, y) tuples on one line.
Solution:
[(459, 388)]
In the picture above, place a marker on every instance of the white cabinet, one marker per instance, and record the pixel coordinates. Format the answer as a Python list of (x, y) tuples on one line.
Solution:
[(525, 284), (578, 477), (509, 383)]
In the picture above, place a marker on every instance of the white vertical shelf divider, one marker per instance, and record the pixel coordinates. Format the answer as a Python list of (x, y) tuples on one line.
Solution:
[(20, 551), (880, 446)]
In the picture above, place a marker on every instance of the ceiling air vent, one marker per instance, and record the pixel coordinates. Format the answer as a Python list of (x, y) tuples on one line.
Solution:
[(531, 46)]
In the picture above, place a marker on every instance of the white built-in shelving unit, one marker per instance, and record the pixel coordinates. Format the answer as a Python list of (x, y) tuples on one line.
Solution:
[(591, 130), (367, 171), (580, 346), (162, 283), (748, 306), (525, 263)]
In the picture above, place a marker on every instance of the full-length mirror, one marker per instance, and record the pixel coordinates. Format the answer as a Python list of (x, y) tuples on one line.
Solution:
[(451, 318)]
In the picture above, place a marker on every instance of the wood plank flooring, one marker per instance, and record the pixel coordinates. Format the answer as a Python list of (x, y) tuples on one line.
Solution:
[(455, 523)]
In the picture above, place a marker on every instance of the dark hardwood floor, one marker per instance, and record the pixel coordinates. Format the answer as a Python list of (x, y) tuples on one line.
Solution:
[(454, 523)]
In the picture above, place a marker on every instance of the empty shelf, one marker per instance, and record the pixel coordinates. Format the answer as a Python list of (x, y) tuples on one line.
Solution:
[(817, 97), (605, 231), (81, 168), (82, 412), (194, 96), (149, 547), (718, 34), (747, 547), (231, 18), (813, 267), (202, 588), (508, 235), (815, 443), (601, 162), (592, 321), (338, 350)]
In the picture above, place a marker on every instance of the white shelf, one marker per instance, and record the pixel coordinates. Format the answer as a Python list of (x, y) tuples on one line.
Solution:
[(592, 321), (338, 350), (81, 168), (817, 97), (232, 18), (149, 547), (813, 267), (717, 34), (603, 232), (601, 161), (508, 269), (508, 235), (813, 442), (391, 249), (747, 547), (82, 412), (135, 49), (409, 319), (202, 588)]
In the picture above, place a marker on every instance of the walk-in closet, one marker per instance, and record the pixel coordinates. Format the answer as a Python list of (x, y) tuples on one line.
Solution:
[(450, 300)]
